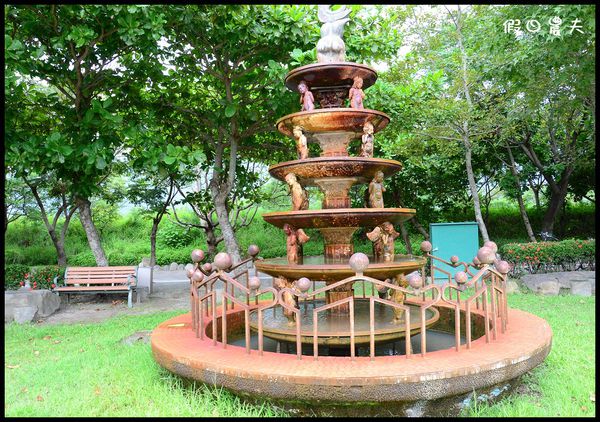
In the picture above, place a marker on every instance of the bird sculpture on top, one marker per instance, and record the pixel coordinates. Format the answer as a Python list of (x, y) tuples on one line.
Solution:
[(331, 47)]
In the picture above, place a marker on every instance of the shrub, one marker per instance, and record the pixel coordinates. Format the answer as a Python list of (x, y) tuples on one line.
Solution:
[(43, 277), (181, 256), (83, 259), (174, 236), (564, 255), (14, 274)]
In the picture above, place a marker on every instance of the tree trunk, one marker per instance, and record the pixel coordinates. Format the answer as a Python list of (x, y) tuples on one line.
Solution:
[(155, 223), (231, 244), (59, 246), (557, 199), (465, 130), (419, 227), (85, 216), (406, 239), (524, 217), (473, 188), (58, 242), (554, 206), (211, 240), (536, 197)]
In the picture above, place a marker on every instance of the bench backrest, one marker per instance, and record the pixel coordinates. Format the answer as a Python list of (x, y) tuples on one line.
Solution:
[(101, 275)]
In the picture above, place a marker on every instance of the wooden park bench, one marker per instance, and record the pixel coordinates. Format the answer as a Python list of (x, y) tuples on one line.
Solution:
[(99, 280)]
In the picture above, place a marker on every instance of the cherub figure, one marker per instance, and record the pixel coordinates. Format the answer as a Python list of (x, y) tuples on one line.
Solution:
[(366, 148), (295, 239), (299, 195), (287, 297), (301, 145), (376, 190), (356, 94), (398, 297), (306, 98), (383, 237)]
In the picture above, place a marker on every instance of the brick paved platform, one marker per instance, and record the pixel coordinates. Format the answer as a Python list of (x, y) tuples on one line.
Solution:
[(330, 379)]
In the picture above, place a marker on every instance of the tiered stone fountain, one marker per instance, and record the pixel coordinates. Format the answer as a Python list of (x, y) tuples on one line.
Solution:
[(406, 347)]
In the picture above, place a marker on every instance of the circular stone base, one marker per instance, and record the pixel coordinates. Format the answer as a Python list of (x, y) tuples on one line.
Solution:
[(330, 379)]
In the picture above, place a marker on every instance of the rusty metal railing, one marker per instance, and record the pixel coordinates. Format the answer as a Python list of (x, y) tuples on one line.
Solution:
[(488, 298)]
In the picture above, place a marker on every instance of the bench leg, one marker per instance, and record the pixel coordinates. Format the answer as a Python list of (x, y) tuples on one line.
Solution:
[(129, 297), (138, 298)]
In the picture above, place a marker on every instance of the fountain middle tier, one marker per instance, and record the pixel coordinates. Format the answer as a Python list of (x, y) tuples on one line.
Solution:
[(332, 128), (335, 175), (339, 217), (310, 170)]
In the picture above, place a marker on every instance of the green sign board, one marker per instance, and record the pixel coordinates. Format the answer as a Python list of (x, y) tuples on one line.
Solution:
[(447, 239)]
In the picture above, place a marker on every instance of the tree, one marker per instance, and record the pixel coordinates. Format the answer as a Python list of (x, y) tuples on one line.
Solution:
[(549, 88), (83, 56), (229, 91)]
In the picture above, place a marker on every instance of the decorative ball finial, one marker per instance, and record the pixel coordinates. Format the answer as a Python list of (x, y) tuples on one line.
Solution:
[(254, 283), (189, 273), (461, 277), (476, 261), (253, 250), (223, 261), (486, 255), (491, 245), (415, 280), (359, 262), (454, 259), (197, 255), (207, 267), (197, 276), (503, 267), (426, 246), (303, 284)]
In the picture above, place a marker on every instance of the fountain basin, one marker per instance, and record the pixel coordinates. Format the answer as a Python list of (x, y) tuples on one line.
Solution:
[(413, 383)]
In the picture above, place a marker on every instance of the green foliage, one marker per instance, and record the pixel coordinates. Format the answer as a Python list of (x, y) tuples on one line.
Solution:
[(84, 259), (174, 236), (14, 274), (43, 276), (35, 254), (104, 214)]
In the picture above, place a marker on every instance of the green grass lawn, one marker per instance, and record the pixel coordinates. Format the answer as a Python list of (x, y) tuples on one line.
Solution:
[(564, 384), (84, 370)]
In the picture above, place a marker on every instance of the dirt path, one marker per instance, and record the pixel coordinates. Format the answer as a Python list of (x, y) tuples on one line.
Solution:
[(96, 308)]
